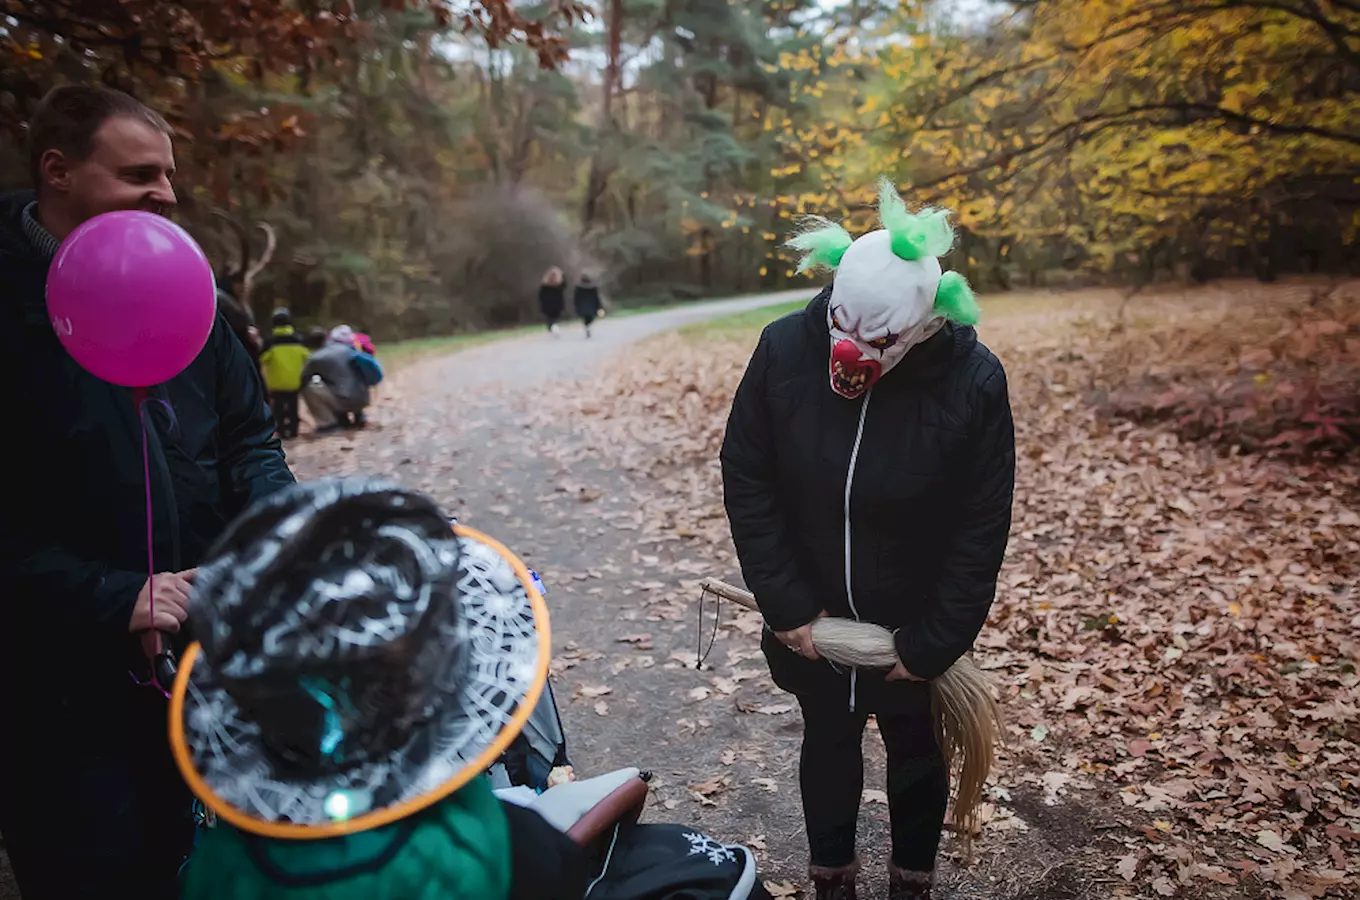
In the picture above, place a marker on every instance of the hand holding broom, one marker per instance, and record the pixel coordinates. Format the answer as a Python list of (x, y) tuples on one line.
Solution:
[(967, 716)]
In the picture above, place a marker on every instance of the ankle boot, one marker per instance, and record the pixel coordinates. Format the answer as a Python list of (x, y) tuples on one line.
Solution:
[(834, 884), (904, 884)]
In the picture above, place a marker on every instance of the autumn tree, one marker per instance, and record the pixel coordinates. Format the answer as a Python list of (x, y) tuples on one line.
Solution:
[(1138, 134)]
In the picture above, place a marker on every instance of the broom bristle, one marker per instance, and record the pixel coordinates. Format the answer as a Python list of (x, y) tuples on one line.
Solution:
[(852, 643), (968, 719)]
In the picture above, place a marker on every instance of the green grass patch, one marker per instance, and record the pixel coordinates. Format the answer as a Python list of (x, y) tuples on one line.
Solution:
[(399, 354), (740, 326)]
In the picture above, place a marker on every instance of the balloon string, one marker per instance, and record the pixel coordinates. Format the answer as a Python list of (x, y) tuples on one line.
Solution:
[(139, 399)]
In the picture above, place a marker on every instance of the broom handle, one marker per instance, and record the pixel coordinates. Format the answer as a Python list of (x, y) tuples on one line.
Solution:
[(729, 592)]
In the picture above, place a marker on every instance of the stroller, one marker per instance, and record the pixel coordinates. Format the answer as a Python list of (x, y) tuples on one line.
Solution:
[(631, 861)]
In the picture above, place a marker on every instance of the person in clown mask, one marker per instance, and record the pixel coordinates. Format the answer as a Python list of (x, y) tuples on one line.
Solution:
[(868, 472)]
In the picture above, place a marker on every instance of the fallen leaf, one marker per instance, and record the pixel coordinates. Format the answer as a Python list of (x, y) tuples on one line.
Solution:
[(725, 685), (712, 786), (699, 693), (872, 795), (590, 692), (767, 784), (1164, 886), (1127, 866), (1271, 841), (1212, 873), (1038, 733), (775, 709), (601, 708), (781, 889)]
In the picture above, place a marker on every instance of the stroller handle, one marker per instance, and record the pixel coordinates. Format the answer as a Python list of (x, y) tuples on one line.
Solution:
[(621, 806)]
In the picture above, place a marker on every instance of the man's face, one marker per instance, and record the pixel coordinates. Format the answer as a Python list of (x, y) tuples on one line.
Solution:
[(130, 168)]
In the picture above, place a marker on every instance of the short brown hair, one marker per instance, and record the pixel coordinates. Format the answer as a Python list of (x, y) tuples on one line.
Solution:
[(68, 117)]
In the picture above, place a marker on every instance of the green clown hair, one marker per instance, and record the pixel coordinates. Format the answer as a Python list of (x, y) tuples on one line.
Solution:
[(822, 243), (954, 300), (914, 235)]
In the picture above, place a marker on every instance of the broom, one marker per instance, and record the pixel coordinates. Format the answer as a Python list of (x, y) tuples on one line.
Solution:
[(966, 714)]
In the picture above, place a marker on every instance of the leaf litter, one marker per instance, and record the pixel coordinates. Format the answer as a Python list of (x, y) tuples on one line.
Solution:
[(1176, 620), (1176, 623)]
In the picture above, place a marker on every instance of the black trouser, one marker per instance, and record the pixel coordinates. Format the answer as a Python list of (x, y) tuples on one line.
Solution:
[(832, 777), (285, 406), (95, 810)]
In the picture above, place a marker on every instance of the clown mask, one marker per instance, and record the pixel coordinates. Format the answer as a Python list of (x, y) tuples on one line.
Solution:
[(890, 293)]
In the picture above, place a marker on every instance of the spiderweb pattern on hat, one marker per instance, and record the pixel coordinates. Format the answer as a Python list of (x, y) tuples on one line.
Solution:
[(497, 628)]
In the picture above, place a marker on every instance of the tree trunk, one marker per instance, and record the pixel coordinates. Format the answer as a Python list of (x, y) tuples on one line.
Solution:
[(602, 161)]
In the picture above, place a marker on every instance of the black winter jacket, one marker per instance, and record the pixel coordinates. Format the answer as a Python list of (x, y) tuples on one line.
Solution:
[(551, 299), (913, 542), (586, 299), (73, 522)]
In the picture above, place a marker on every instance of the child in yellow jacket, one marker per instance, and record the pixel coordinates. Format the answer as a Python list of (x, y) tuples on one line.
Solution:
[(281, 363)]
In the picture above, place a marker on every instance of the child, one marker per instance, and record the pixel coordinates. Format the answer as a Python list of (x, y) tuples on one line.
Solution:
[(364, 344), (360, 666), (281, 363)]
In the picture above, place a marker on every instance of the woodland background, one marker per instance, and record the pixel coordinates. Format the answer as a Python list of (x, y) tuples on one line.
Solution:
[(423, 161), (1175, 636)]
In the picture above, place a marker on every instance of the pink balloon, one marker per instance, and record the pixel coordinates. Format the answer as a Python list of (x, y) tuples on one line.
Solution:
[(131, 297)]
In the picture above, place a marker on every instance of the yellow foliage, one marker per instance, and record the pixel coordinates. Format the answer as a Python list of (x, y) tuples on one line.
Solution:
[(1111, 124)]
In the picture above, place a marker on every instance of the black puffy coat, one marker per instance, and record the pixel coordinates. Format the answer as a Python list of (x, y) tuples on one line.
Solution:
[(552, 299), (586, 299), (929, 454), (73, 523)]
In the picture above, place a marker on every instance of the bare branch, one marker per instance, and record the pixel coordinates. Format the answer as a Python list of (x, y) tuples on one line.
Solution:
[(248, 281), (237, 253)]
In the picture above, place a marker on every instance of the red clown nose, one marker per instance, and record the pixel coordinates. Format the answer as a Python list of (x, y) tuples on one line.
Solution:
[(851, 374)]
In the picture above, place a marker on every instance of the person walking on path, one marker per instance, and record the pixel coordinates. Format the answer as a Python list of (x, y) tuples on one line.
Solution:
[(586, 299), (868, 472), (552, 297), (91, 805), (332, 387), (282, 362)]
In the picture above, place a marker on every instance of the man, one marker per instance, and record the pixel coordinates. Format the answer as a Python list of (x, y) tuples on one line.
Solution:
[(332, 385), (868, 469), (90, 802)]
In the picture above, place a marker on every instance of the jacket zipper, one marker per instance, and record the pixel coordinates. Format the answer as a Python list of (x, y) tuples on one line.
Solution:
[(849, 483)]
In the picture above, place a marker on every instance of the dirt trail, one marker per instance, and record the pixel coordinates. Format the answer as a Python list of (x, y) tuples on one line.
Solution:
[(722, 742)]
